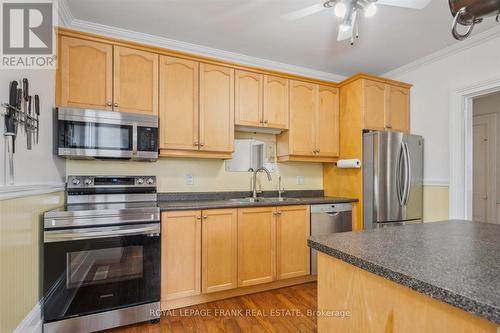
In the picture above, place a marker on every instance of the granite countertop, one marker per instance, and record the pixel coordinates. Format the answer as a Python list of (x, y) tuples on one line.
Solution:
[(457, 262), (166, 205)]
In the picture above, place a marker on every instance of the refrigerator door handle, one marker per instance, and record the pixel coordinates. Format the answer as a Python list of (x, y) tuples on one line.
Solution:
[(399, 185), (407, 174)]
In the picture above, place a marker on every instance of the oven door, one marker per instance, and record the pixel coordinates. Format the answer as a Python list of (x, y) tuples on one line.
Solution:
[(85, 139), (89, 270)]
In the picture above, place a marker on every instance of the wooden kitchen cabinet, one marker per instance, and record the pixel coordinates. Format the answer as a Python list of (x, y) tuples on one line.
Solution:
[(248, 98), (256, 245), (386, 106), (180, 254), (85, 74), (313, 134), (219, 250), (292, 231), (327, 122), (179, 104), (216, 108), (135, 81), (276, 92)]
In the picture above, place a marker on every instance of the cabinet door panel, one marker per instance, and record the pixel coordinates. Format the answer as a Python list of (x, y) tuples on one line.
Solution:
[(303, 103), (248, 98), (327, 128), (181, 254), (135, 81), (86, 74), (256, 246), (216, 108), (398, 109), (276, 102), (293, 229), (178, 103), (219, 250), (374, 105)]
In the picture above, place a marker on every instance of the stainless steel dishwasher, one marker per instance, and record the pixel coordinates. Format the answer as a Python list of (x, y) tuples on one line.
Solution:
[(327, 219)]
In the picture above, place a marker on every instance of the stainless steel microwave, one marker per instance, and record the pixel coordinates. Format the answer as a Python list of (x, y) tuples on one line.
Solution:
[(94, 134)]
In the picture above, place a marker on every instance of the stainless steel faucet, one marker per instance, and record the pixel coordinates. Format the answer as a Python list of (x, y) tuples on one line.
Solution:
[(254, 182)]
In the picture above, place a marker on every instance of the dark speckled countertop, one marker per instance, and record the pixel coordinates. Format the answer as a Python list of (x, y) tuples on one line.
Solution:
[(457, 262)]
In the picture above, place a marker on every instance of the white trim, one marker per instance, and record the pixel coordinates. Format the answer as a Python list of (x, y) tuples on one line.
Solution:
[(115, 32), (461, 145), (437, 182), (453, 49), (65, 16), (32, 323), (20, 191)]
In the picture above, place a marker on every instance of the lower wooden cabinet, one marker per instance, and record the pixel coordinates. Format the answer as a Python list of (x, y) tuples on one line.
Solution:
[(256, 245), (208, 251), (219, 250), (292, 230), (180, 254)]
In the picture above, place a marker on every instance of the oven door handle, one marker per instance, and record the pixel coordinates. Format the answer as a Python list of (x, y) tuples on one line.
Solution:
[(107, 232)]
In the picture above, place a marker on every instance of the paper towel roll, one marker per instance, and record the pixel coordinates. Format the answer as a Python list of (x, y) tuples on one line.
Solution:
[(349, 164)]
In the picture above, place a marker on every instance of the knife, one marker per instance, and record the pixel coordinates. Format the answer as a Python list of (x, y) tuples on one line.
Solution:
[(37, 113), (10, 127), (25, 107), (29, 133)]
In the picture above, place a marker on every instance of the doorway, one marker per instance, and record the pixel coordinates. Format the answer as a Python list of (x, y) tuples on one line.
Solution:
[(485, 155)]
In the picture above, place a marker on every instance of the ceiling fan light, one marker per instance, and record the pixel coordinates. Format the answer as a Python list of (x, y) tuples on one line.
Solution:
[(344, 26), (370, 10), (340, 9)]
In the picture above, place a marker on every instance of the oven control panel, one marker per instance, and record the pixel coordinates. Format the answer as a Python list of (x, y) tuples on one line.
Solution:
[(110, 181)]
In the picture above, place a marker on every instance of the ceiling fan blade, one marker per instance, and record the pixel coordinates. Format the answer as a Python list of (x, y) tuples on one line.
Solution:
[(298, 14), (414, 4)]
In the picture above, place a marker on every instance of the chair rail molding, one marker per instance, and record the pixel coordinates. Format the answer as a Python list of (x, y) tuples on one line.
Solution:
[(461, 162), (21, 191)]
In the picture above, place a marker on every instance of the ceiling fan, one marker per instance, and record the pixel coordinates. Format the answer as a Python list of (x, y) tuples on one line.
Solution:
[(348, 12)]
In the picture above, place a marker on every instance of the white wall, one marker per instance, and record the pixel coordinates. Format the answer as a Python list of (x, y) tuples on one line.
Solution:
[(38, 166), (465, 63)]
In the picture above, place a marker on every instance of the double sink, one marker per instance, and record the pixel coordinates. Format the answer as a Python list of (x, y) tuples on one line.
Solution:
[(273, 199)]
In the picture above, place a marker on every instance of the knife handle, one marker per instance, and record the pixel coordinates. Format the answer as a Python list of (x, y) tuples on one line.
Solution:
[(37, 105), (25, 89)]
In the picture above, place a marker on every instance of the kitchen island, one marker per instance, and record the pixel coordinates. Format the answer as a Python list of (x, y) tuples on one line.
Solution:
[(433, 277)]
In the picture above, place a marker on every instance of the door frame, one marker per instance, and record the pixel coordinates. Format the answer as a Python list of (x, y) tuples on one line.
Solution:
[(460, 191), (491, 121)]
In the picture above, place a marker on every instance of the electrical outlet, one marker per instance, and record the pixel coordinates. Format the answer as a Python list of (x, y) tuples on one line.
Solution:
[(189, 179), (300, 180)]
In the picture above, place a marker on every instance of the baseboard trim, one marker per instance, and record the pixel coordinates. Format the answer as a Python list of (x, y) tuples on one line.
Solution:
[(32, 323), (21, 191)]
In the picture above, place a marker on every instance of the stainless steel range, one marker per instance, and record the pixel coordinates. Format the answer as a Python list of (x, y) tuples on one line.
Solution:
[(102, 255)]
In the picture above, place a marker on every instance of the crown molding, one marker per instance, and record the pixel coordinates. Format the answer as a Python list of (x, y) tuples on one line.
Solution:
[(65, 16), (473, 41), (176, 45)]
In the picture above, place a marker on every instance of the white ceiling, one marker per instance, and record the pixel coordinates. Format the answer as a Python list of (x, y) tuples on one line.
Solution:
[(390, 39)]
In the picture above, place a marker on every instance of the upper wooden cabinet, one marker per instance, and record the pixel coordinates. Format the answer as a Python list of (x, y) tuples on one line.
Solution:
[(292, 232), (256, 245), (386, 106), (261, 100), (314, 124), (219, 250), (101, 76), (180, 254), (85, 74), (135, 87), (248, 98), (216, 108), (179, 107)]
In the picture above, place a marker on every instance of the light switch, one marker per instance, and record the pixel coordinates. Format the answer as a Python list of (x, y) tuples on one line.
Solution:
[(189, 179), (300, 180)]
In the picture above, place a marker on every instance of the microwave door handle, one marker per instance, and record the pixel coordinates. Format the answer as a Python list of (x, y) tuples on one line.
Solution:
[(134, 139)]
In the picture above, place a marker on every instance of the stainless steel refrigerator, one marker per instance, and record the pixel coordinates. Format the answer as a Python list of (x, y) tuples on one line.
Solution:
[(392, 179)]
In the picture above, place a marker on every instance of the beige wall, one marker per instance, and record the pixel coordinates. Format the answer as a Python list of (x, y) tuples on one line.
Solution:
[(209, 175), (20, 253), (435, 203)]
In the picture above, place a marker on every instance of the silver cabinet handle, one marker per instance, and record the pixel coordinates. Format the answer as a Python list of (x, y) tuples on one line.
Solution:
[(205, 217), (106, 232), (109, 103), (115, 105)]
